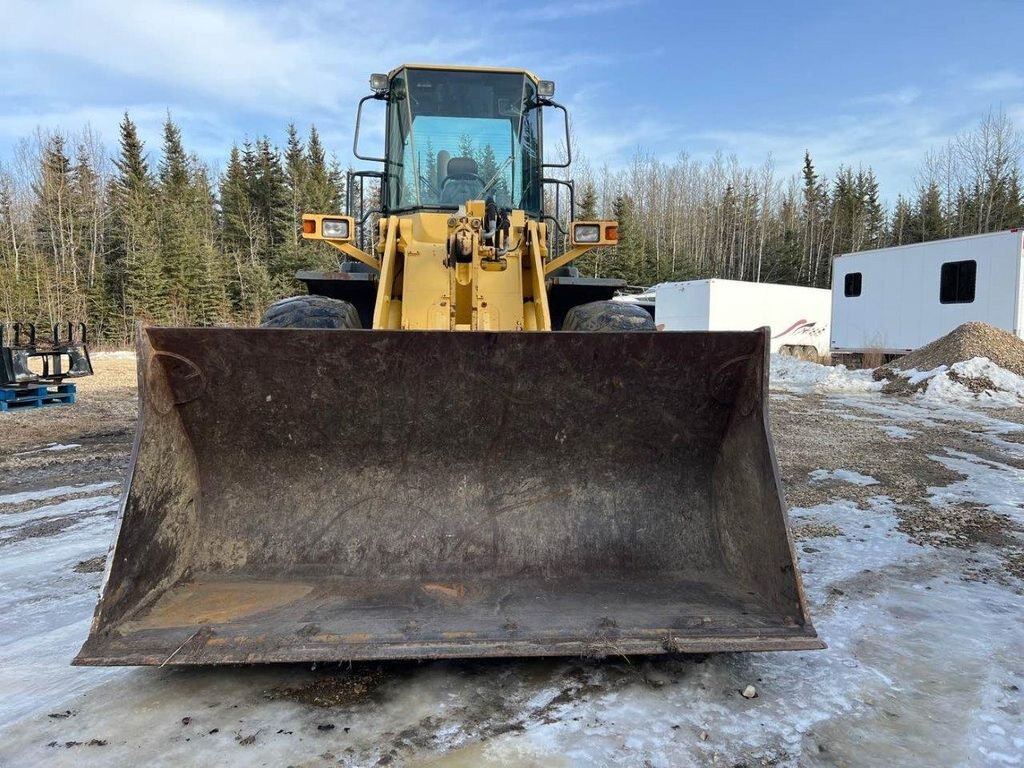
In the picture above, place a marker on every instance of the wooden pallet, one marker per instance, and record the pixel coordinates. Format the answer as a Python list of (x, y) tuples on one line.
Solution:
[(12, 398)]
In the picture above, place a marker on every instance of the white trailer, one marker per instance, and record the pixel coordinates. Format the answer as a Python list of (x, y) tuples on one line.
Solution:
[(893, 300), (798, 316)]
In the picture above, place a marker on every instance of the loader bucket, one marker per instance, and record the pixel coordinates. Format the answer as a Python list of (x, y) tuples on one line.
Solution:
[(327, 495)]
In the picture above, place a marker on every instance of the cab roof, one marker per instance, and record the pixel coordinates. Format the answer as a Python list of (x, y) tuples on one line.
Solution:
[(457, 68)]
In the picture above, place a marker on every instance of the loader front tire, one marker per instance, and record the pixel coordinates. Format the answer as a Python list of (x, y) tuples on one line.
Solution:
[(310, 312), (607, 316)]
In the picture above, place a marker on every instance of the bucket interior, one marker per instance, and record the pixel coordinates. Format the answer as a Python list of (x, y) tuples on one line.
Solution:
[(328, 495)]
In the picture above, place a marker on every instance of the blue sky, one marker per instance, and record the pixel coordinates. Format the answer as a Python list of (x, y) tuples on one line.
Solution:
[(860, 82)]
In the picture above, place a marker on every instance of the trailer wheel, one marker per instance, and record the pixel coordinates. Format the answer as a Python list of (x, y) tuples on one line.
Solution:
[(608, 316), (310, 312)]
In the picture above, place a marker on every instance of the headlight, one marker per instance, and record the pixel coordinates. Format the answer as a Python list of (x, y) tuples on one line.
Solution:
[(336, 229), (545, 88), (586, 233), (378, 82)]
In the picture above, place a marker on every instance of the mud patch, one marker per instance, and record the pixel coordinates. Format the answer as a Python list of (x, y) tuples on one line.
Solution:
[(72, 744), (1013, 563), (974, 384), (333, 690), (969, 527), (92, 565), (42, 529), (903, 386), (964, 526)]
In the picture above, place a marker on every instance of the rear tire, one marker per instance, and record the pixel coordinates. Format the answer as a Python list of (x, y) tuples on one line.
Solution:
[(311, 312), (614, 316)]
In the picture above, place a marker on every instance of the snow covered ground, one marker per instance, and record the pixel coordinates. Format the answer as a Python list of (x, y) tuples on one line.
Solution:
[(909, 519)]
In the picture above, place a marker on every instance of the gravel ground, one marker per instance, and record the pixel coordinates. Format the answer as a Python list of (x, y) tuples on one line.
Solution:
[(910, 532)]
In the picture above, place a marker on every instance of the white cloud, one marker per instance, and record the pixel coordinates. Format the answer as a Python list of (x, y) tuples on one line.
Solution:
[(263, 59), (893, 143), (897, 98), (552, 11), (992, 82)]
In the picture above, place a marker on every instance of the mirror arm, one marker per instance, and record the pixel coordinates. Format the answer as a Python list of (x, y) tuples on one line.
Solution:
[(568, 143)]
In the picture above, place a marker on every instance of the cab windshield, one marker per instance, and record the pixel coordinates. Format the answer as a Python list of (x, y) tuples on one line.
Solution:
[(458, 136)]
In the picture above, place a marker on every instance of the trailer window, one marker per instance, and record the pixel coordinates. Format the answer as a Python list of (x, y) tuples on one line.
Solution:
[(851, 284), (956, 285)]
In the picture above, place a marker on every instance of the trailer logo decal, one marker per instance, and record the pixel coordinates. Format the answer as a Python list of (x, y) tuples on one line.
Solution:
[(799, 324)]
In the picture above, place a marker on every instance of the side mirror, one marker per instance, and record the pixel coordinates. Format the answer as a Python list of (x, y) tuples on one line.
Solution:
[(568, 142), (359, 117)]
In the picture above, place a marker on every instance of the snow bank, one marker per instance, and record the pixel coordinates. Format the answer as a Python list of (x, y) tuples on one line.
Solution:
[(789, 373), (120, 354), (977, 381)]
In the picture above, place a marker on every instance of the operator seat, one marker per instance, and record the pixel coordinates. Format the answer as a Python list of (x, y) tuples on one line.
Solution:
[(461, 182)]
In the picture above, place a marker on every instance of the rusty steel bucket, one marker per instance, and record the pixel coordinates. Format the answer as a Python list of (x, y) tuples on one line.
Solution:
[(322, 495)]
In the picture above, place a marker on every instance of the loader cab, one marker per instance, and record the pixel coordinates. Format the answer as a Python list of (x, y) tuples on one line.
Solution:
[(455, 135)]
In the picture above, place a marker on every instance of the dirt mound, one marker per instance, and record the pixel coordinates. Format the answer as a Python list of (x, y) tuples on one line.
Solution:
[(967, 341)]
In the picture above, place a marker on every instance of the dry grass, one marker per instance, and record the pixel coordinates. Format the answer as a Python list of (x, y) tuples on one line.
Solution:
[(106, 403), (872, 359)]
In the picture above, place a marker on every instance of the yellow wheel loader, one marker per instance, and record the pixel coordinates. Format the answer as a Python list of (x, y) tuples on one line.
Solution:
[(454, 445)]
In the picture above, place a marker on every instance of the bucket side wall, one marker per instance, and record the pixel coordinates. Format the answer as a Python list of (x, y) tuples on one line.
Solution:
[(749, 508), (156, 529)]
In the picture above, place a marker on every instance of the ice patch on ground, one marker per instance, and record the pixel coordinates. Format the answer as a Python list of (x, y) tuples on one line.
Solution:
[(46, 608), (998, 486), (65, 508), (52, 447), (790, 373), (897, 432), (52, 493), (925, 414), (843, 475)]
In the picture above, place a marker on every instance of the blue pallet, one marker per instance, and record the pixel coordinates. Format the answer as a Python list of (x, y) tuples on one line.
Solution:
[(12, 398)]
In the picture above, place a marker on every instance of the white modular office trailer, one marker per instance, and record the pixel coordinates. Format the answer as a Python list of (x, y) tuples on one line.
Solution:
[(894, 300)]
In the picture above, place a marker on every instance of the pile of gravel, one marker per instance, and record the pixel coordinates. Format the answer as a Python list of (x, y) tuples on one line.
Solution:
[(967, 341)]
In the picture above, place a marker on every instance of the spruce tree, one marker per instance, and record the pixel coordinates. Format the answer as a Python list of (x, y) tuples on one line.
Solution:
[(210, 305), (586, 210), (320, 193), (926, 223), (134, 277), (873, 214), (296, 169), (88, 211), (236, 222), (900, 228), (812, 203), (177, 228), (272, 201), (627, 259)]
